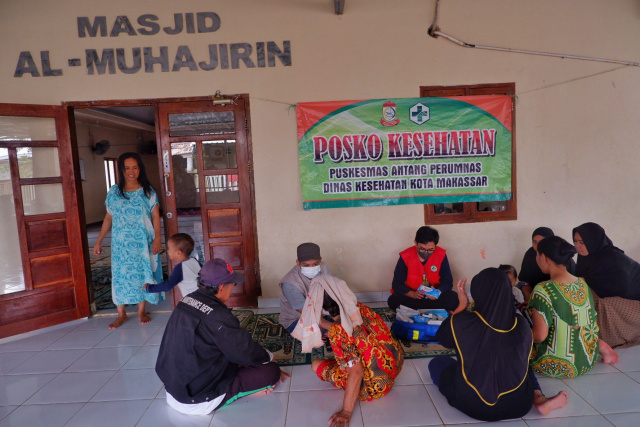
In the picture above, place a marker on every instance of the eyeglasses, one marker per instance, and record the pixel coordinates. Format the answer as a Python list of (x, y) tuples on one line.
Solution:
[(426, 251)]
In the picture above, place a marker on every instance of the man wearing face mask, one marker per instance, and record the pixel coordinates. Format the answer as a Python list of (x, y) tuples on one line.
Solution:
[(423, 264), (294, 286)]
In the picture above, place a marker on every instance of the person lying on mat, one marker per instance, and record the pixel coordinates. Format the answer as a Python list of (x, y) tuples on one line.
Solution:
[(491, 379), (367, 358), (294, 286), (206, 360), (423, 266)]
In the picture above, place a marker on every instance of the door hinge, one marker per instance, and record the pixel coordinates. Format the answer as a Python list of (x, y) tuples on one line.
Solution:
[(246, 124), (249, 166), (255, 268)]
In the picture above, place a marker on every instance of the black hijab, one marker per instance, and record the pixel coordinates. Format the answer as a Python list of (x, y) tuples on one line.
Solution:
[(529, 271), (607, 270), (493, 341)]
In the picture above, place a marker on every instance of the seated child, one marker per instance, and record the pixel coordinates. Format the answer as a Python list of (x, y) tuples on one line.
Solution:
[(516, 286), (186, 269)]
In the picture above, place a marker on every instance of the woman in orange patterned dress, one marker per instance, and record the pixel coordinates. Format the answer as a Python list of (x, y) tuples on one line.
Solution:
[(366, 364)]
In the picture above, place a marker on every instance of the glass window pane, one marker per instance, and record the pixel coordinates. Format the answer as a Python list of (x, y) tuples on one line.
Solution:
[(187, 193), (222, 189), (11, 276), (106, 173), (112, 173), (185, 176), (27, 128), (42, 199), (38, 162), (492, 206), (448, 208), (211, 123), (219, 154)]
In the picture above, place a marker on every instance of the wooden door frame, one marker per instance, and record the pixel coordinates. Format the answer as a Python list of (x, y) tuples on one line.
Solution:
[(70, 180), (152, 102)]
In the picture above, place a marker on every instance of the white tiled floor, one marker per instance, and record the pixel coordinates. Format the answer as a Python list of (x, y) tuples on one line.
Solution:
[(83, 374)]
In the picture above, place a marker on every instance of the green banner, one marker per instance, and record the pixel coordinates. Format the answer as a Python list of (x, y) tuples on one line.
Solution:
[(405, 151)]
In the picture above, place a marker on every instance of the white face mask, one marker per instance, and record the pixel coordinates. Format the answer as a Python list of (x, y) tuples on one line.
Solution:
[(310, 272)]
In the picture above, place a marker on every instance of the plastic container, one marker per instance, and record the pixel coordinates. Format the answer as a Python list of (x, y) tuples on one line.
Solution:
[(414, 331), (420, 332)]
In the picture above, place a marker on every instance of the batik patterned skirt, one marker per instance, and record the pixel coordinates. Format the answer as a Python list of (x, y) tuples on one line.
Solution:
[(371, 344)]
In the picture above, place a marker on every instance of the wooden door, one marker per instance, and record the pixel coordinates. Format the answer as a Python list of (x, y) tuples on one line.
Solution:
[(206, 164), (42, 263)]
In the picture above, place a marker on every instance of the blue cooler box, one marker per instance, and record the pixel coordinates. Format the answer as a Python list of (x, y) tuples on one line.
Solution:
[(419, 332)]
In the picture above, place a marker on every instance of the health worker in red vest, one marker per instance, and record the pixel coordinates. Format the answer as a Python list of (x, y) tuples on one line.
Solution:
[(424, 264)]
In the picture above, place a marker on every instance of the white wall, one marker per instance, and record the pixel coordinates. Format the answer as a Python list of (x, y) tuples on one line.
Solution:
[(577, 121)]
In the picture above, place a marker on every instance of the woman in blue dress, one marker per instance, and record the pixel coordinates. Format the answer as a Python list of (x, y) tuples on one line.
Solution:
[(133, 211)]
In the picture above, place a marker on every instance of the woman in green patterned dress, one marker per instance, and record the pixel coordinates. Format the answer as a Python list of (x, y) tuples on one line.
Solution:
[(565, 322)]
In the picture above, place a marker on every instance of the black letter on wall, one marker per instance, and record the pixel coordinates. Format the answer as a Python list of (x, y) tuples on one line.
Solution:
[(102, 64), (26, 65), (100, 22), (122, 61), (273, 51), (236, 55)]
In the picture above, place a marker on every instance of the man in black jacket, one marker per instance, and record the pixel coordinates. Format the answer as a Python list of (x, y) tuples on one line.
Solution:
[(206, 360)]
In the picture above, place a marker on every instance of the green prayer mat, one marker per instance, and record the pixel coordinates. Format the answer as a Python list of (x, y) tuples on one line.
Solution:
[(265, 329)]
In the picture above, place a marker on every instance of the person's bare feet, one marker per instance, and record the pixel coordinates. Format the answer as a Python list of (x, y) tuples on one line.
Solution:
[(544, 404), (264, 391), (144, 318), (608, 354), (118, 322)]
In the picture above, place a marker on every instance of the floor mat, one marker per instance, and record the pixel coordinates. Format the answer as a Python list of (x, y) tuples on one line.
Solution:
[(265, 329)]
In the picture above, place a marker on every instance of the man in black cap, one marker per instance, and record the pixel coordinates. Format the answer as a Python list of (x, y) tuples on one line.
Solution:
[(294, 286), (206, 360)]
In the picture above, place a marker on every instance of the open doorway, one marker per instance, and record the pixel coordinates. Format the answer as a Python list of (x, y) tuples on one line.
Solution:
[(197, 157), (102, 135)]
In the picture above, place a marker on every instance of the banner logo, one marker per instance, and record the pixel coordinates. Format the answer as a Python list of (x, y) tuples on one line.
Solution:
[(419, 114), (389, 114)]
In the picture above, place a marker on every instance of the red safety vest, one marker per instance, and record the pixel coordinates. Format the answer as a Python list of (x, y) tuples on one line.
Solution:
[(416, 270)]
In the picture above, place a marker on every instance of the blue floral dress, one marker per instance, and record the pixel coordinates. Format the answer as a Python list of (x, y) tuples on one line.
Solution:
[(132, 261)]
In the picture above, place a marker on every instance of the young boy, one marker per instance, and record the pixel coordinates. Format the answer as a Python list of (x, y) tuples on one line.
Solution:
[(516, 288), (186, 269)]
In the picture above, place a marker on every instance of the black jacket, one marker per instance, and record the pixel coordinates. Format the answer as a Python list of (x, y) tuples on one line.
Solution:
[(202, 348)]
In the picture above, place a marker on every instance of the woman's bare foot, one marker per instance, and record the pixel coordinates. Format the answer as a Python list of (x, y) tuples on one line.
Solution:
[(608, 354), (144, 318), (544, 404), (118, 322), (142, 313)]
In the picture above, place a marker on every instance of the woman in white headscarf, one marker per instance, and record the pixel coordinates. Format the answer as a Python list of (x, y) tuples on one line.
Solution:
[(367, 358)]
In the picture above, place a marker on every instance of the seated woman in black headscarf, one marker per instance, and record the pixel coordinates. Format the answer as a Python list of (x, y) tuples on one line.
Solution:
[(614, 279), (530, 274), (491, 379)]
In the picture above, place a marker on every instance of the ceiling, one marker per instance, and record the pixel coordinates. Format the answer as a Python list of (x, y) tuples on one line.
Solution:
[(137, 117)]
